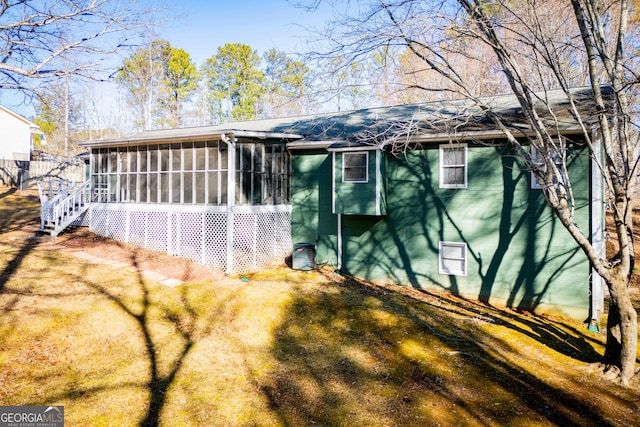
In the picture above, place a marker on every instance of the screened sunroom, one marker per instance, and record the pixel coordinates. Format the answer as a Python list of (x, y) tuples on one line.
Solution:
[(218, 198)]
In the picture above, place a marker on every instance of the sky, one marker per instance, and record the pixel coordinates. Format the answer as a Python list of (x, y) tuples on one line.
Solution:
[(201, 26), (262, 24)]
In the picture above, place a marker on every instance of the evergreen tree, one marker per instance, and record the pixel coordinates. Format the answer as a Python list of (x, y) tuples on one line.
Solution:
[(235, 81), (181, 81)]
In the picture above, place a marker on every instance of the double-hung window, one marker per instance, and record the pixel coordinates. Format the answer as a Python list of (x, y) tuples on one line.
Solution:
[(355, 167), (453, 166), (558, 156), (452, 258)]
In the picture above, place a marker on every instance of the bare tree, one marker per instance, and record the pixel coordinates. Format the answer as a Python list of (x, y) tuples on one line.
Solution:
[(528, 48), (288, 82), (58, 112), (44, 40)]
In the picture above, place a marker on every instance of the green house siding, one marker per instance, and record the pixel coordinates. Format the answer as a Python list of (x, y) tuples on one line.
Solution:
[(359, 198), (311, 218), (518, 254)]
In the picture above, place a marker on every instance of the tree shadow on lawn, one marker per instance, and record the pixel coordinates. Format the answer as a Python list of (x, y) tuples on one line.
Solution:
[(183, 324), (158, 384), (169, 330), (30, 242), (9, 192), (355, 354), (360, 355), (17, 220), (566, 340), (19, 213)]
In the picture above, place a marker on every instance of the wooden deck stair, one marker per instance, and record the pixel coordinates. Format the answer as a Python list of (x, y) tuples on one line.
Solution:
[(61, 203)]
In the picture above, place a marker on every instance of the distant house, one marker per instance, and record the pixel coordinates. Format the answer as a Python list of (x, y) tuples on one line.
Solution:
[(456, 211), (16, 136)]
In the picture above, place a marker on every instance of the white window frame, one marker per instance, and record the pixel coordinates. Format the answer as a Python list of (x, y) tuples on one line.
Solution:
[(558, 159), (535, 185), (366, 167), (443, 167), (442, 269)]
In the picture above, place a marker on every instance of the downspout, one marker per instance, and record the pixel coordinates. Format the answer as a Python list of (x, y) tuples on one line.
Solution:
[(339, 267), (333, 182), (231, 196), (378, 182), (333, 210)]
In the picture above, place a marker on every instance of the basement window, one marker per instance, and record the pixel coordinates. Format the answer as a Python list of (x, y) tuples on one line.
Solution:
[(452, 258)]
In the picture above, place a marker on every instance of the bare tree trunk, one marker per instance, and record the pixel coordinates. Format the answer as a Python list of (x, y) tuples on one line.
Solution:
[(66, 116), (620, 353)]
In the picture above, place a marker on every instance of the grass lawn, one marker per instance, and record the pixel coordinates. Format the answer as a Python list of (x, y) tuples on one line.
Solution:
[(285, 348)]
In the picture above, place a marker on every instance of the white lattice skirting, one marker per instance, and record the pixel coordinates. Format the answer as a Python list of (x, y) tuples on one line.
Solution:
[(246, 239)]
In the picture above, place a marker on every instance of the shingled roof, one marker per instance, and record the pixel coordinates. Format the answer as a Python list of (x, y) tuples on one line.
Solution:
[(429, 121)]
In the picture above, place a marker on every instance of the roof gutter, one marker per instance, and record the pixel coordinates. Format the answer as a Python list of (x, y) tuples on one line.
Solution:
[(370, 147), (167, 138), (480, 135), (124, 142), (309, 145), (418, 139)]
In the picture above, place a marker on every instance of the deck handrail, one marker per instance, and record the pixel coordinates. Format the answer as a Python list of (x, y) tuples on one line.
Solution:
[(59, 210)]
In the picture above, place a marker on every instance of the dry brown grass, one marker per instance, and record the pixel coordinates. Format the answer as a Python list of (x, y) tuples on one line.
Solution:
[(286, 348)]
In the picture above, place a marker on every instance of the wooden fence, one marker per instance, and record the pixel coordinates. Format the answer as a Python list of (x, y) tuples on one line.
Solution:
[(25, 174)]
